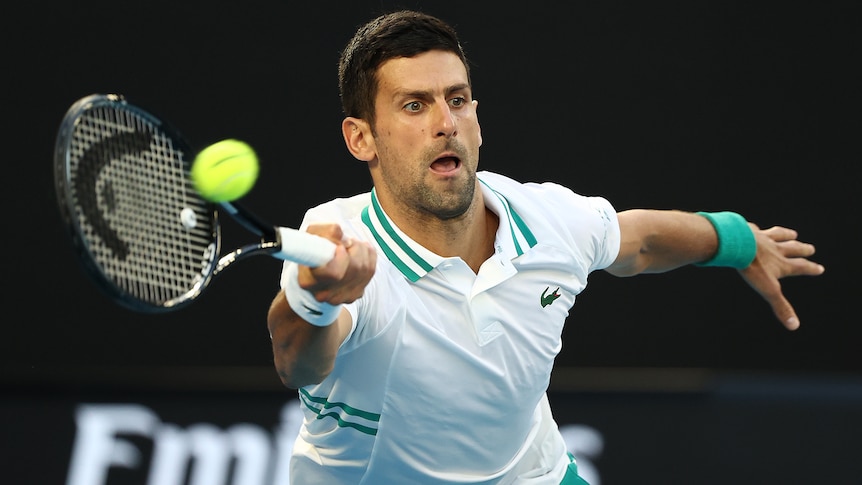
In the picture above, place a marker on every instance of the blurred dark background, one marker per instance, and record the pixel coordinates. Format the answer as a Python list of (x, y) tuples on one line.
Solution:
[(696, 105), (701, 105)]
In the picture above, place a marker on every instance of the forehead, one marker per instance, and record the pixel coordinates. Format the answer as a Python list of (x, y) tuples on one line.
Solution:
[(429, 71)]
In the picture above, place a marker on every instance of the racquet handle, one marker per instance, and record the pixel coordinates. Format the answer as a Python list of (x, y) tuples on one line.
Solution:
[(304, 248)]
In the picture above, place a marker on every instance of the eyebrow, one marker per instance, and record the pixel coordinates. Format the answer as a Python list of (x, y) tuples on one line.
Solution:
[(427, 94)]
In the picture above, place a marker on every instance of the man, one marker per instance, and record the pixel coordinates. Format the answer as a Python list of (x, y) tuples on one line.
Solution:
[(422, 352)]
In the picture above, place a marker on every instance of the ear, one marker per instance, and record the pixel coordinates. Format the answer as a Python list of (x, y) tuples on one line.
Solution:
[(476, 110), (358, 138)]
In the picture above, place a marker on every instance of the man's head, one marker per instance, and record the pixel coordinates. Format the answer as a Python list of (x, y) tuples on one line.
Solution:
[(411, 116), (404, 33)]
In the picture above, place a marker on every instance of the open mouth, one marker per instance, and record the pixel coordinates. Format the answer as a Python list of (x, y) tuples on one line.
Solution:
[(446, 164)]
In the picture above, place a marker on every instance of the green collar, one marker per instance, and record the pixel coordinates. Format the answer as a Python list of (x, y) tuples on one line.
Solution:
[(414, 261)]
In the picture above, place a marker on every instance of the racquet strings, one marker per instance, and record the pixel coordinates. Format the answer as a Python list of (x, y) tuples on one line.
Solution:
[(145, 227)]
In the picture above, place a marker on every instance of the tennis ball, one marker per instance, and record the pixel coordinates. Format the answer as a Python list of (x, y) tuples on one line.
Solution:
[(225, 170)]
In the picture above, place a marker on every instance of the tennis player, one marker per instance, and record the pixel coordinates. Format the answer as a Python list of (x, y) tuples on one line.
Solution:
[(423, 351)]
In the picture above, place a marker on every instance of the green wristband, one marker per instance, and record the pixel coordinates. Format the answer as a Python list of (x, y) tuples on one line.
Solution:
[(736, 244)]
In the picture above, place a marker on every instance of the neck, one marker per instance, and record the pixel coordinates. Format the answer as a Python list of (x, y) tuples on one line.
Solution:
[(470, 236)]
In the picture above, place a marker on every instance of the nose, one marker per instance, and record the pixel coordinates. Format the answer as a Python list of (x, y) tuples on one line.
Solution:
[(445, 120)]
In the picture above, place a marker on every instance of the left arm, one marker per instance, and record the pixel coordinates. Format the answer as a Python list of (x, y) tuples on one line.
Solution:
[(655, 241)]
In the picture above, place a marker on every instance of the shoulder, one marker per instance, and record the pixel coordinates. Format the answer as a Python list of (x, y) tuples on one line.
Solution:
[(558, 216), (547, 198)]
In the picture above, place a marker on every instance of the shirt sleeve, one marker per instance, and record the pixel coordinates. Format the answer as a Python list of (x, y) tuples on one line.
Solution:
[(609, 247)]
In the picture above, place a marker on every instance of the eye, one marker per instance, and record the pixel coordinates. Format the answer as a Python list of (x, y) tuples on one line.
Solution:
[(413, 106), (458, 102)]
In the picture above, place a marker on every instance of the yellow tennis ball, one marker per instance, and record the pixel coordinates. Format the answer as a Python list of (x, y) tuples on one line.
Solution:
[(225, 171)]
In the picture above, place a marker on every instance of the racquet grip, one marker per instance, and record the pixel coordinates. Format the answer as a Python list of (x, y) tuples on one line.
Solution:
[(304, 248)]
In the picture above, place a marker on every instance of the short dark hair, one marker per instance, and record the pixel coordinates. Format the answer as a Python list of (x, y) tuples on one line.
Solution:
[(404, 33)]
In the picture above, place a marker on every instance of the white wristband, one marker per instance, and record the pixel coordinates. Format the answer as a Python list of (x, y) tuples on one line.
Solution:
[(302, 302)]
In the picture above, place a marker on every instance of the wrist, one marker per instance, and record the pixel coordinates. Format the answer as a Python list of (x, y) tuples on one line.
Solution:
[(736, 244), (303, 303)]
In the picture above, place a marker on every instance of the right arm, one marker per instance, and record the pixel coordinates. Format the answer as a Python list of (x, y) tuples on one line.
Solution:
[(304, 353)]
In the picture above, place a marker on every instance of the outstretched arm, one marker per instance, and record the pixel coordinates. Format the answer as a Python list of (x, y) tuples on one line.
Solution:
[(306, 320), (655, 241)]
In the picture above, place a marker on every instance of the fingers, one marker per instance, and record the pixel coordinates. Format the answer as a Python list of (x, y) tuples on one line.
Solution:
[(796, 249), (784, 312), (793, 254), (333, 232), (802, 267), (779, 234), (343, 279), (780, 254), (770, 289), (796, 256)]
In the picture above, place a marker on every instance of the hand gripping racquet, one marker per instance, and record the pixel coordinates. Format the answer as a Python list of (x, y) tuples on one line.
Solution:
[(141, 230)]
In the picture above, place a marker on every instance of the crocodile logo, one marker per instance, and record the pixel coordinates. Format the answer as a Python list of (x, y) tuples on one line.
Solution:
[(548, 299)]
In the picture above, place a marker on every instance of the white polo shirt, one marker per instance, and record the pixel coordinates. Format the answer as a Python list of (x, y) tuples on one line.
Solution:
[(443, 378)]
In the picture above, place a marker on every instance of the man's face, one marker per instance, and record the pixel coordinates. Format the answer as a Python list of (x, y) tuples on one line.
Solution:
[(426, 136)]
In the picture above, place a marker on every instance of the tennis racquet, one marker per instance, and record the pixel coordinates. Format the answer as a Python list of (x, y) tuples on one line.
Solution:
[(141, 230)]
